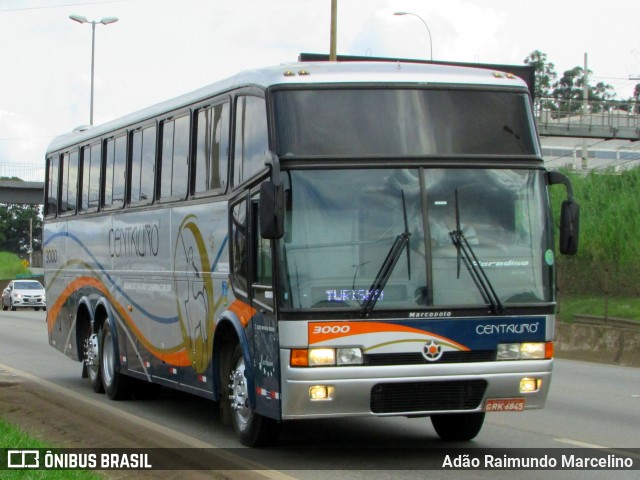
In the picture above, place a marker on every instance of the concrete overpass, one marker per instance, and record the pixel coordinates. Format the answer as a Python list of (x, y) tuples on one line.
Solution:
[(22, 183), (15, 191)]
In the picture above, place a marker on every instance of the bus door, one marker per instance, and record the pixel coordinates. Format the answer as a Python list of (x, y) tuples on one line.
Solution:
[(265, 327)]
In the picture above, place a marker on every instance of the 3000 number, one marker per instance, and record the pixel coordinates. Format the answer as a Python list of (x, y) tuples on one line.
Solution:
[(51, 255), (317, 330)]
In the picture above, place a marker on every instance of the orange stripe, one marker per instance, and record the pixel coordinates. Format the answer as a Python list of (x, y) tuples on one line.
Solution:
[(362, 328), (243, 311), (175, 356)]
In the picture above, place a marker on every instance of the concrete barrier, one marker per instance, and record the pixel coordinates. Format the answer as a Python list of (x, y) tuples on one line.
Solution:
[(614, 341)]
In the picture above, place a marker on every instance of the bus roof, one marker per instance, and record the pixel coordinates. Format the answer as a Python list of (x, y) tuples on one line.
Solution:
[(306, 73)]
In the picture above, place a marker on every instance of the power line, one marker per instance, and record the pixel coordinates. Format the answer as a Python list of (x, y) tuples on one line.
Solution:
[(60, 5)]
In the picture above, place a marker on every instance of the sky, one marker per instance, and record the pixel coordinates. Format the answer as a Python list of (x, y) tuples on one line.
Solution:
[(160, 49)]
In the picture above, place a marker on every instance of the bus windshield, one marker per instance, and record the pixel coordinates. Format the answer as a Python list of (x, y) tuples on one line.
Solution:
[(341, 225), (403, 122)]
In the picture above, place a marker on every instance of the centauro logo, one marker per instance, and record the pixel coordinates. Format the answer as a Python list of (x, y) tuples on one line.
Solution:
[(494, 329), (134, 241)]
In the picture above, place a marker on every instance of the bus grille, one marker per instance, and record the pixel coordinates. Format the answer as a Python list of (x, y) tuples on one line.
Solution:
[(427, 396), (418, 359)]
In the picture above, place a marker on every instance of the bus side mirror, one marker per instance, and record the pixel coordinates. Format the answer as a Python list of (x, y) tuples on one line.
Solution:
[(569, 227), (569, 215), (271, 210)]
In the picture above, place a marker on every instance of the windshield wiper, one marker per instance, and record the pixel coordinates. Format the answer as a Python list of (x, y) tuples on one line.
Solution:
[(400, 243), (478, 275)]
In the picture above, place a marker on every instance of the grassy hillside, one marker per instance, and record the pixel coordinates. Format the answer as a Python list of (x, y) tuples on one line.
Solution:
[(10, 266), (608, 260), (604, 277)]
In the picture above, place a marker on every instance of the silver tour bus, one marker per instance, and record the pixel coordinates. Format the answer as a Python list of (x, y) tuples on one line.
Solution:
[(313, 240)]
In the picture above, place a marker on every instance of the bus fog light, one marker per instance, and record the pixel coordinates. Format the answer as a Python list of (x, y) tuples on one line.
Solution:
[(320, 392), (349, 356), (321, 357), (530, 385)]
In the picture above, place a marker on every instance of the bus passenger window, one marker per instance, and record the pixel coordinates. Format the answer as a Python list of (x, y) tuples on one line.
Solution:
[(252, 139), (91, 159), (175, 157), (143, 154), (115, 172), (69, 182), (51, 207), (212, 148)]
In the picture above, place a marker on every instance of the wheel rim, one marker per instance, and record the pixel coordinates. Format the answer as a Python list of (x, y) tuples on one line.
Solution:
[(92, 354), (239, 397), (108, 359)]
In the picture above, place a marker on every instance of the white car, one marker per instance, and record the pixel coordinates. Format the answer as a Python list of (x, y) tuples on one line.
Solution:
[(24, 293)]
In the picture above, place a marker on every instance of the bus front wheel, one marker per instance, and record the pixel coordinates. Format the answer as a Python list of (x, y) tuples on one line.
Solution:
[(253, 429), (115, 384), (458, 426)]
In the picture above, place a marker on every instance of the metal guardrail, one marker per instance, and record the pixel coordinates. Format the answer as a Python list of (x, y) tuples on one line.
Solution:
[(28, 172), (590, 119)]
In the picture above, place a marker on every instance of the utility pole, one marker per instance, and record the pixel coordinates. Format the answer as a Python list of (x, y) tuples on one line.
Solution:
[(585, 111), (334, 31)]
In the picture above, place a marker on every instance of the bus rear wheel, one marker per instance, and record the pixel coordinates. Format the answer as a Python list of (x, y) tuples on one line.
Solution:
[(92, 361), (458, 426), (253, 429)]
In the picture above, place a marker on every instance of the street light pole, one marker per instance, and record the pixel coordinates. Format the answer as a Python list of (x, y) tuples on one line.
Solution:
[(333, 44), (103, 21), (426, 26)]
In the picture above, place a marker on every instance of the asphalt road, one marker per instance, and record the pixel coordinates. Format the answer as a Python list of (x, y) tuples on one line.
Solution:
[(590, 405)]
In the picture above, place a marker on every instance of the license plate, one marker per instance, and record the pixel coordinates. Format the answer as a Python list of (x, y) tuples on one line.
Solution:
[(504, 405)]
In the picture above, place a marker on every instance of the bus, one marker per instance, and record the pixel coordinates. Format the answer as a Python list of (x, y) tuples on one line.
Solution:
[(313, 240)]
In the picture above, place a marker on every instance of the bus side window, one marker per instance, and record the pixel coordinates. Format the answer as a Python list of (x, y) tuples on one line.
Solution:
[(69, 184), (91, 165), (114, 172), (143, 154), (262, 283), (212, 148), (251, 138), (174, 168), (239, 250), (51, 207)]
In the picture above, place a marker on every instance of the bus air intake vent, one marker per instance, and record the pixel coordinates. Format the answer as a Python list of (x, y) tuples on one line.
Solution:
[(427, 396)]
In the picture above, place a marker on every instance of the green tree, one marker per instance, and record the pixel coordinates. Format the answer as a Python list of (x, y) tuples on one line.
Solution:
[(569, 91), (545, 73), (15, 221)]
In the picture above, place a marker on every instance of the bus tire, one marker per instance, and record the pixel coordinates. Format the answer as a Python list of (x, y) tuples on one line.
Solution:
[(116, 385), (458, 426), (253, 429)]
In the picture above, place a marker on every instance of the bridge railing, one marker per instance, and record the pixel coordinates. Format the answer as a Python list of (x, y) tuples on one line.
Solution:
[(29, 172), (594, 118)]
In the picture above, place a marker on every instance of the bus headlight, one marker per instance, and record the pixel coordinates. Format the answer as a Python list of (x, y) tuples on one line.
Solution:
[(525, 351), (349, 356), (323, 357)]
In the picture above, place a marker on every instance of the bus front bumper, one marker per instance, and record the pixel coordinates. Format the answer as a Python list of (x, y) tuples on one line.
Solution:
[(411, 390)]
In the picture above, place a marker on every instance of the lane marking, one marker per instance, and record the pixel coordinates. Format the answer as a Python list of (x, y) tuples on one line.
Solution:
[(617, 451), (578, 443), (251, 468)]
